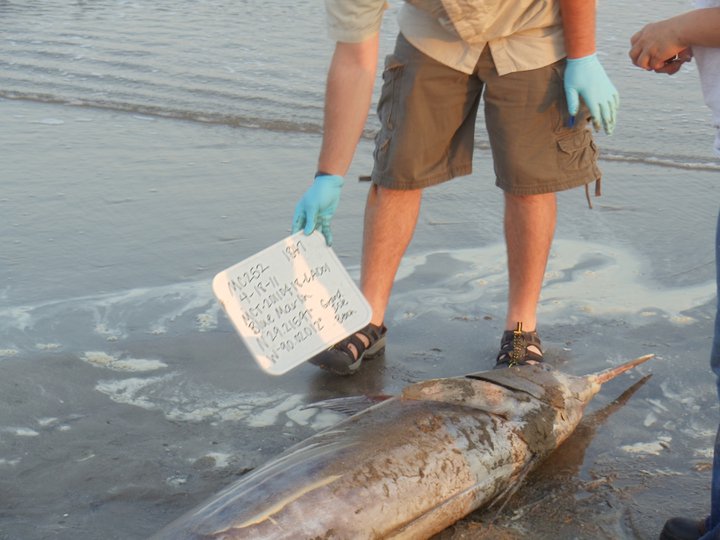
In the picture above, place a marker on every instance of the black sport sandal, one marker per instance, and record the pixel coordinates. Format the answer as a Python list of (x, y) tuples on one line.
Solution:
[(518, 348), (345, 357), (682, 528)]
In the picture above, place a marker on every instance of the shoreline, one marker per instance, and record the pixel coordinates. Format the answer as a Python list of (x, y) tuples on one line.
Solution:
[(131, 399)]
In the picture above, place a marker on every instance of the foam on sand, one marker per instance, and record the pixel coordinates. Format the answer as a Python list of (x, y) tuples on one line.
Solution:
[(181, 400), (582, 280), (115, 363)]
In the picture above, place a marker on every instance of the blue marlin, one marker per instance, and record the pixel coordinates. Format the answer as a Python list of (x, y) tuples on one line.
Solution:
[(406, 467)]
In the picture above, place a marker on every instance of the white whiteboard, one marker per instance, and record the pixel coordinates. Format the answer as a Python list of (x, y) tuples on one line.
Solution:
[(291, 301)]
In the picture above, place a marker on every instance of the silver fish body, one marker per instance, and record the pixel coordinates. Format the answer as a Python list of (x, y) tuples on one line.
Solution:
[(406, 468)]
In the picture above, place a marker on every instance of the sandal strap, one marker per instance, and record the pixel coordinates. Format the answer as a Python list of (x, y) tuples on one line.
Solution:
[(531, 338), (371, 332), (514, 348), (353, 340)]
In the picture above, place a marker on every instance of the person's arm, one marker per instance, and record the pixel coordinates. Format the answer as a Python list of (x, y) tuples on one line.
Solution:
[(578, 17), (584, 75), (348, 94), (660, 41)]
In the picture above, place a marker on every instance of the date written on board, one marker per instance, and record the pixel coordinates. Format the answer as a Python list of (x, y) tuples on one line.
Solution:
[(291, 323), (285, 309), (291, 301)]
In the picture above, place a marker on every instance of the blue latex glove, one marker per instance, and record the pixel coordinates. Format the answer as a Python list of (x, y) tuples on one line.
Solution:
[(586, 77), (317, 206)]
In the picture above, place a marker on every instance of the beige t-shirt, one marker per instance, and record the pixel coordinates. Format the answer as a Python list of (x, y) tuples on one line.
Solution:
[(522, 34)]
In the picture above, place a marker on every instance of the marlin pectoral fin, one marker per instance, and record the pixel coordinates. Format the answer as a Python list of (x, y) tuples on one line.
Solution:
[(347, 405)]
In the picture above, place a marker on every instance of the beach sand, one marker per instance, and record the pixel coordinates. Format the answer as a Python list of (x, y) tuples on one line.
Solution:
[(127, 397)]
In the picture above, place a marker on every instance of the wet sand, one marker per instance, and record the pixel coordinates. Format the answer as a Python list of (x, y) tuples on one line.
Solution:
[(127, 398)]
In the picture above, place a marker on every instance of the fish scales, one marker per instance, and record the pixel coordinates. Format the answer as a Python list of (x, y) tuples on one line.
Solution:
[(407, 467)]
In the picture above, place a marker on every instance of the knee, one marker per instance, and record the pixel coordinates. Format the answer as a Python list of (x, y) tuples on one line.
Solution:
[(388, 194), (542, 200)]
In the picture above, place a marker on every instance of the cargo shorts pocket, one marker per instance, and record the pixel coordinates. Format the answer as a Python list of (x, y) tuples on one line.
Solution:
[(576, 150), (389, 104)]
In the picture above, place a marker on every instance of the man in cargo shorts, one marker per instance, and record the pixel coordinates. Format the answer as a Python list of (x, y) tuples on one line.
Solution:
[(531, 61)]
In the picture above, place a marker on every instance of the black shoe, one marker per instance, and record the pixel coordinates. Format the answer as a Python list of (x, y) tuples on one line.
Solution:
[(680, 528), (345, 357), (518, 348)]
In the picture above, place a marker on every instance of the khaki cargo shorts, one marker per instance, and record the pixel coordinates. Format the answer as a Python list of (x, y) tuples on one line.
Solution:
[(428, 110)]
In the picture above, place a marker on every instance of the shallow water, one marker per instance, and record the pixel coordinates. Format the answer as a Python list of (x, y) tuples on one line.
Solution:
[(149, 145)]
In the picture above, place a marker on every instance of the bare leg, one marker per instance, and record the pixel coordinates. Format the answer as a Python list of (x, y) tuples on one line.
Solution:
[(529, 229), (390, 219)]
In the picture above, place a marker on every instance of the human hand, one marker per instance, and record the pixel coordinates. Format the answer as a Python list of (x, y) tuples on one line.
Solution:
[(658, 47), (673, 65), (317, 206), (587, 78)]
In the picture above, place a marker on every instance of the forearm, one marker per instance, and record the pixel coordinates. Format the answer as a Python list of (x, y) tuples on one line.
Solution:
[(700, 27), (578, 18), (657, 42), (348, 95)]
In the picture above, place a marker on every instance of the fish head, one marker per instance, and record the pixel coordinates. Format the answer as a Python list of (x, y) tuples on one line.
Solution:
[(489, 390), (545, 403)]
